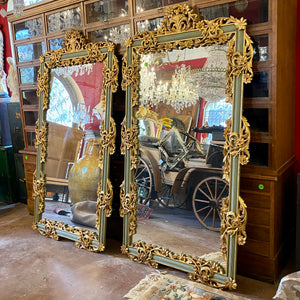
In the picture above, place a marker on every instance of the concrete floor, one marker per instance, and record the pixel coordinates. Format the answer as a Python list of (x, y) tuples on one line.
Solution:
[(35, 267)]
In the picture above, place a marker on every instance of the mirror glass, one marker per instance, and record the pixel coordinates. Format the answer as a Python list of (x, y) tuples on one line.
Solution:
[(74, 118), (75, 137), (184, 138), (179, 177)]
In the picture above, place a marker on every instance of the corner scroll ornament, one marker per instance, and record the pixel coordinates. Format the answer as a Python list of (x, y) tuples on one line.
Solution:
[(129, 206), (144, 254), (39, 190), (76, 42), (41, 139), (49, 229), (233, 224), (236, 145), (86, 239), (203, 270), (107, 141), (130, 141)]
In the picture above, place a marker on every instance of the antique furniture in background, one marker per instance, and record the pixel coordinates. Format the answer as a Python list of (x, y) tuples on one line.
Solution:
[(267, 181), (68, 122), (181, 40)]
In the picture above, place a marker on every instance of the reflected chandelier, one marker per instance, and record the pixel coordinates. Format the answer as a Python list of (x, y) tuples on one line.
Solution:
[(181, 92)]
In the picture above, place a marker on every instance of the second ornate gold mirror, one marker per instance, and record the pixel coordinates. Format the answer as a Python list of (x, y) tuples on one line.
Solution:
[(75, 137), (184, 139)]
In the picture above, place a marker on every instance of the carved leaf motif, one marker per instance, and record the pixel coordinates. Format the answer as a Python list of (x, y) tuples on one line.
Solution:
[(179, 18), (39, 191)]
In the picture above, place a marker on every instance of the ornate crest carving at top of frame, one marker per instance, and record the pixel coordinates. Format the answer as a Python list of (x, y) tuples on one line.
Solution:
[(75, 42), (211, 33)]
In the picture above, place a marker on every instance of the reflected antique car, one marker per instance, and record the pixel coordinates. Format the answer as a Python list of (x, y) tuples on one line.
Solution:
[(178, 172)]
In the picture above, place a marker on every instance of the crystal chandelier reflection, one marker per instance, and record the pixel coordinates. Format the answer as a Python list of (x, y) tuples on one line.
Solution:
[(74, 70), (18, 7), (187, 85), (213, 75), (180, 92)]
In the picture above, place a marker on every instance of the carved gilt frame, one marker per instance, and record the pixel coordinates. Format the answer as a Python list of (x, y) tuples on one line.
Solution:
[(182, 28), (76, 51)]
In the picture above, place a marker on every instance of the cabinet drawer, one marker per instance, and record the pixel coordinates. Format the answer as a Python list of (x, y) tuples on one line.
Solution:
[(31, 159), (254, 185), (259, 233), (29, 168), (257, 247), (256, 200), (258, 216)]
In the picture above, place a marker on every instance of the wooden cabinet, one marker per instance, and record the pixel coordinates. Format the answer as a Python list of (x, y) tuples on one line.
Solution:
[(267, 182)]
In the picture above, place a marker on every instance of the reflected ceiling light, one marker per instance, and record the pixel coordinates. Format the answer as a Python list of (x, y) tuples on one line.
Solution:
[(180, 92), (186, 86), (74, 70)]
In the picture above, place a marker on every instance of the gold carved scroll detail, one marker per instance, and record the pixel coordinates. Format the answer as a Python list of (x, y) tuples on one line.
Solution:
[(107, 141), (39, 190), (41, 139), (110, 77), (203, 270), (129, 206), (43, 86), (104, 200), (233, 224), (236, 145), (130, 141), (130, 76), (86, 238), (76, 42)]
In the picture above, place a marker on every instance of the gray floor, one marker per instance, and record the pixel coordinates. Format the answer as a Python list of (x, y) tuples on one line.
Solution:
[(35, 267)]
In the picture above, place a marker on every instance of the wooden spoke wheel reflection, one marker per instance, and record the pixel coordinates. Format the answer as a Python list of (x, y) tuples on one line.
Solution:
[(168, 199), (143, 179), (207, 201)]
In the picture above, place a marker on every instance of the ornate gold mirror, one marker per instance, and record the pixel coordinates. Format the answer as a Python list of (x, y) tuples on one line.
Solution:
[(184, 138), (75, 137)]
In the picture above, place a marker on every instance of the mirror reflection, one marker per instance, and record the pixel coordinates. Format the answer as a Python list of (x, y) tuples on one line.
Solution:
[(181, 117), (75, 113)]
